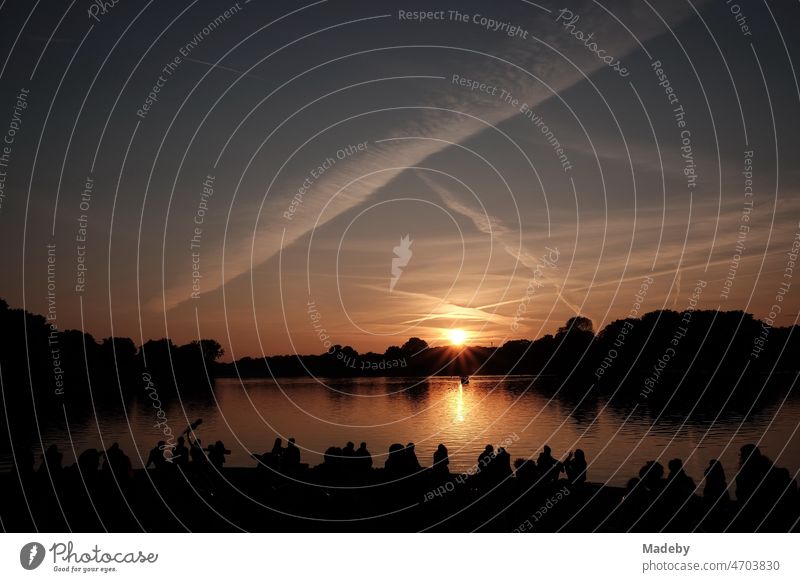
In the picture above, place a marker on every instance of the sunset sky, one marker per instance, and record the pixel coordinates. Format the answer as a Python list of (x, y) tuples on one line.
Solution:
[(276, 98)]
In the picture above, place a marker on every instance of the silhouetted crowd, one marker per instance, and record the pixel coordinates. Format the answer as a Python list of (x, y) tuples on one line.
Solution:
[(189, 488)]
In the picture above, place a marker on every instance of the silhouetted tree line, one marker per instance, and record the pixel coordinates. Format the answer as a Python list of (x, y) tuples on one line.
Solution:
[(642, 358), (68, 362)]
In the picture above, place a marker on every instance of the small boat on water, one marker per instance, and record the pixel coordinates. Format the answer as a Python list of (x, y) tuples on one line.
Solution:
[(464, 379)]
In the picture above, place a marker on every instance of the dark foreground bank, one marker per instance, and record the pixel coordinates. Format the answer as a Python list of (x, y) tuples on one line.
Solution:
[(195, 492)]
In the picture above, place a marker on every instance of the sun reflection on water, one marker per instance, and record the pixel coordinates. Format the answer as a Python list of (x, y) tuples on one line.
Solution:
[(460, 403)]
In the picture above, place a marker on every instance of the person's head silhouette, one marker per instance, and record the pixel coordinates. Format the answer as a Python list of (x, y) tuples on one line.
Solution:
[(748, 452)]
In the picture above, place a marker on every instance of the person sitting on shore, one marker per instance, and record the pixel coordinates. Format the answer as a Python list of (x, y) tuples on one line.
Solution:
[(485, 458), (118, 463), (51, 460), (549, 468), (651, 476), (290, 461), (677, 501), (216, 454), (332, 459), (441, 462), (411, 461), (277, 448), (716, 499), (679, 482), (273, 459), (575, 467), (753, 470), (364, 458), (502, 465), (394, 463), (180, 454), (716, 489), (156, 457), (525, 472), (484, 467), (197, 453), (349, 457), (89, 463)]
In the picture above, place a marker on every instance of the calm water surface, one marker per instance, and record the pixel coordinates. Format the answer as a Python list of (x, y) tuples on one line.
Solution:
[(617, 440)]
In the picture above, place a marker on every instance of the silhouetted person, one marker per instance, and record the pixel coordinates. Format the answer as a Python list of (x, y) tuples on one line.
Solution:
[(548, 467), (502, 465), (274, 458), (89, 462), (525, 471), (216, 454), (486, 457), (332, 457), (484, 477), (575, 467), (180, 454), (332, 465), (411, 461), (441, 461), (680, 483), (51, 461), (364, 458), (753, 469), (198, 455), (716, 488), (756, 493), (156, 457), (196, 452), (290, 461), (394, 463), (716, 499), (677, 502), (651, 476), (118, 463)]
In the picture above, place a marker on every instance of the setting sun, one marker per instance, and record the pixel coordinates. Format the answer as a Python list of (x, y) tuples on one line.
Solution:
[(457, 336)]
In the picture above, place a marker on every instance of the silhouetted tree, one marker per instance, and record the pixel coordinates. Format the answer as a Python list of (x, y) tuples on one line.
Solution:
[(578, 324), (414, 345), (209, 348), (393, 353)]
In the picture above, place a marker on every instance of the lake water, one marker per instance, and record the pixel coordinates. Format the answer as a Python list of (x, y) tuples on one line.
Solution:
[(617, 440)]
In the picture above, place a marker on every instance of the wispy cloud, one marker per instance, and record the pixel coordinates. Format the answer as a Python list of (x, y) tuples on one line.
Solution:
[(348, 185), (509, 239)]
